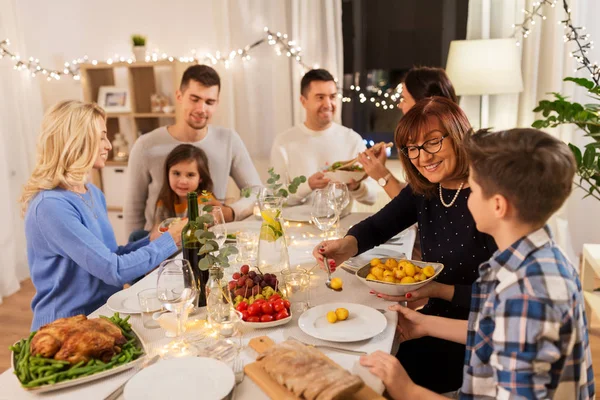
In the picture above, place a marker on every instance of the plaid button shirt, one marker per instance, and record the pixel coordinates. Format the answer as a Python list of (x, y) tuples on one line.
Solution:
[(528, 334)]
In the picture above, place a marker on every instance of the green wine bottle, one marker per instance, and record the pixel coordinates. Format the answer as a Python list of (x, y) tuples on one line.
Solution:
[(191, 247)]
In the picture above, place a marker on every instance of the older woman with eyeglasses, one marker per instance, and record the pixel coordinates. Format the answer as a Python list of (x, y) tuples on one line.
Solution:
[(430, 137), (418, 84)]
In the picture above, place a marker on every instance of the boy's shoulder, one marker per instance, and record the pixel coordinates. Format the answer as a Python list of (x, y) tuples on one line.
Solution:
[(543, 273)]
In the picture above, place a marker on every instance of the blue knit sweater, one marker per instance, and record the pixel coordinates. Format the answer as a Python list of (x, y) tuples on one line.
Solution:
[(74, 261)]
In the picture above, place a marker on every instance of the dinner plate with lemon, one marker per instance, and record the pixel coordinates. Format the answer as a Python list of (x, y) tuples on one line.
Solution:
[(342, 322)]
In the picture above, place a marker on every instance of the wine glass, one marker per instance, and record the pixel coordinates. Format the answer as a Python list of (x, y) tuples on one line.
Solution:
[(176, 290), (341, 198), (323, 213), (218, 226)]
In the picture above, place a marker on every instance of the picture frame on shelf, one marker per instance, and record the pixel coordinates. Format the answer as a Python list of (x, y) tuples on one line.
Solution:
[(114, 99)]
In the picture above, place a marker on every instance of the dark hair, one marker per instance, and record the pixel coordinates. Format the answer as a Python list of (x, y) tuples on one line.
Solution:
[(203, 74), (532, 169), (314, 75), (183, 153), (454, 122), (423, 82)]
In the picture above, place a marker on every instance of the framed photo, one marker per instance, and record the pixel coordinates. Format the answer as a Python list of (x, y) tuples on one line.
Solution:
[(114, 99)]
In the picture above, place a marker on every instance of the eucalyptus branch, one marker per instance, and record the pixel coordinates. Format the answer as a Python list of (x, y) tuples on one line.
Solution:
[(276, 186)]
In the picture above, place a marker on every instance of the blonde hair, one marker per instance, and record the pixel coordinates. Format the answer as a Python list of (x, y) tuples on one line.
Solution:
[(67, 148)]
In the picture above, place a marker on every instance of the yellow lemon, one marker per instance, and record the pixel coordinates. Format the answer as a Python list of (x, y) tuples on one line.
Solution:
[(371, 277), (336, 283), (391, 263), (429, 271), (399, 274), (409, 270), (389, 279), (331, 317), (375, 262), (341, 314), (407, 279)]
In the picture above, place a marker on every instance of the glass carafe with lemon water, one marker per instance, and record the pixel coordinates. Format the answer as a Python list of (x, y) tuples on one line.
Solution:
[(272, 254)]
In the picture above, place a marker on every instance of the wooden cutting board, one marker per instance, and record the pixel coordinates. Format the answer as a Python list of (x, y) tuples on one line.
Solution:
[(279, 392)]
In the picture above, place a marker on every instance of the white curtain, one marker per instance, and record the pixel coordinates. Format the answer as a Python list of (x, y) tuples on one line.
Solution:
[(20, 117), (545, 62)]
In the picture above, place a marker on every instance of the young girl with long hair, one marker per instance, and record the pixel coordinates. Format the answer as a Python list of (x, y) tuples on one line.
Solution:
[(186, 170)]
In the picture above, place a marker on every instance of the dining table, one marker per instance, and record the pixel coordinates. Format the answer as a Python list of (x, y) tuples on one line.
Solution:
[(302, 237)]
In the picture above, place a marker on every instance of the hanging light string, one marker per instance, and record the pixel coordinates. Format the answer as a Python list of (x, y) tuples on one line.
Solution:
[(522, 30), (584, 45), (280, 42), (32, 65)]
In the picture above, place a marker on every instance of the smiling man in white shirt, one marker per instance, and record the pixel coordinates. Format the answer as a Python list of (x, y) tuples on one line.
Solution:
[(308, 148)]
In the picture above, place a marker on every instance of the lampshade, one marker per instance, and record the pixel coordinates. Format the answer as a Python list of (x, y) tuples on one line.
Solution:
[(479, 67)]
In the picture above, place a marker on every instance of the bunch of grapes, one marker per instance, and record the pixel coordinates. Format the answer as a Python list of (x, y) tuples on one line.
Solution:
[(248, 283)]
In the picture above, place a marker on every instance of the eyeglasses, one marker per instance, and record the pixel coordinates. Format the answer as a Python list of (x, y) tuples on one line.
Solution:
[(431, 146)]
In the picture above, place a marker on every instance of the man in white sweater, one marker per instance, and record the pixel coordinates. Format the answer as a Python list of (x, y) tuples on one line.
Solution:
[(198, 96), (308, 148)]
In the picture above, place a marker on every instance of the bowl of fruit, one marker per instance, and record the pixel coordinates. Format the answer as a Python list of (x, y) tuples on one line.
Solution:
[(258, 298), (398, 277)]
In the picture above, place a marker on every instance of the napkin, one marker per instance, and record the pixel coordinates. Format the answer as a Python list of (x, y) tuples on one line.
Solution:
[(370, 380)]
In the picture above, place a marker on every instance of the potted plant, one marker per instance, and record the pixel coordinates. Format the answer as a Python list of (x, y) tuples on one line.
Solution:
[(139, 47), (561, 111)]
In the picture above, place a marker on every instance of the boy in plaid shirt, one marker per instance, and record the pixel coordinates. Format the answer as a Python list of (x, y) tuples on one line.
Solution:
[(527, 332)]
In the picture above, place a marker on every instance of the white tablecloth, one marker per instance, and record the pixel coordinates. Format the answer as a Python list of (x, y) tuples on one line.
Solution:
[(303, 238)]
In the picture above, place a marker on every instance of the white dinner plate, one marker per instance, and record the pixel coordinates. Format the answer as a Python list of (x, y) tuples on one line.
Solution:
[(125, 302), (363, 323), (241, 226), (298, 213), (181, 378), (362, 259)]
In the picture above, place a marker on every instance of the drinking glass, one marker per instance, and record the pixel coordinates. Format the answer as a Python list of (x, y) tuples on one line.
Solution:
[(218, 226), (149, 304), (323, 213), (247, 245), (176, 291), (296, 285), (340, 196)]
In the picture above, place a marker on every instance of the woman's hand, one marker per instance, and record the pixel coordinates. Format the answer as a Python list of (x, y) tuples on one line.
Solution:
[(175, 230), (393, 375), (336, 251), (411, 324), (374, 164), (155, 233), (431, 290)]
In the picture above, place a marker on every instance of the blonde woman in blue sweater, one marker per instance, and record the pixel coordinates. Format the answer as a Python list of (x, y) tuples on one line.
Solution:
[(74, 261)]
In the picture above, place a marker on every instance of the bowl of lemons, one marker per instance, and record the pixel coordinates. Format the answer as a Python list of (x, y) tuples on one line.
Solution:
[(396, 277)]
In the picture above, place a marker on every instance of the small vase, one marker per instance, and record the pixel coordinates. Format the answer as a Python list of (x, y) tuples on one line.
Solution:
[(139, 53)]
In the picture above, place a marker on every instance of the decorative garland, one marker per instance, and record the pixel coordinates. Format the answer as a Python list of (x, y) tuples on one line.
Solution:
[(524, 28), (584, 44), (280, 42), (282, 45)]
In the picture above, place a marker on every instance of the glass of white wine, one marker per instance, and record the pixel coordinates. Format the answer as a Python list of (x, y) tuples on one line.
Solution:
[(218, 226), (324, 210), (340, 196), (176, 290)]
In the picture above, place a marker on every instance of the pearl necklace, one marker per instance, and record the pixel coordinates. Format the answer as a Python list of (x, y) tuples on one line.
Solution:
[(455, 196)]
